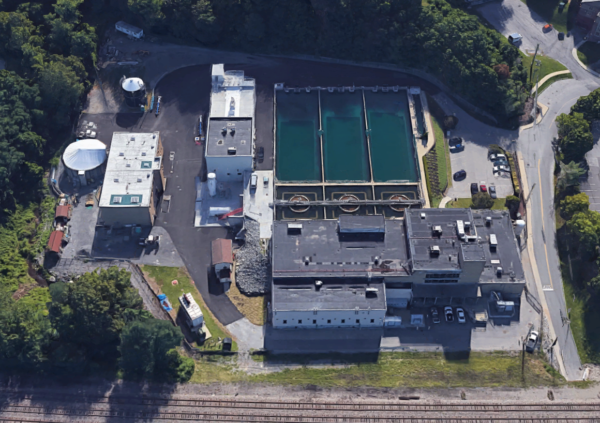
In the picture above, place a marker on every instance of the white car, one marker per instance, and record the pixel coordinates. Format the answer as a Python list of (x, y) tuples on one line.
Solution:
[(448, 314), (461, 315), (499, 156), (532, 341), (501, 168)]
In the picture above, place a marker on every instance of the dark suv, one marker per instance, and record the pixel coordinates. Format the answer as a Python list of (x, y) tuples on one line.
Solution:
[(474, 188)]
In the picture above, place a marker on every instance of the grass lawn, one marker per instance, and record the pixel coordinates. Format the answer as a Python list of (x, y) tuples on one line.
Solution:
[(417, 370), (163, 276), (548, 10), (549, 66), (589, 53), (465, 203), (553, 80)]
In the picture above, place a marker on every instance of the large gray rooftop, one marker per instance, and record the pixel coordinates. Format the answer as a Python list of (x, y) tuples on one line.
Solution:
[(506, 254), (222, 141), (420, 225), (337, 294), (316, 248)]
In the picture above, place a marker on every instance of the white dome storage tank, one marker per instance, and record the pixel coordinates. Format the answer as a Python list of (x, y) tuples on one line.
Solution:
[(212, 184), (85, 161), (134, 90)]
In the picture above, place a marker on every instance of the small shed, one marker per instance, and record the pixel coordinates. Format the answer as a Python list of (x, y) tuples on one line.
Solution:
[(129, 29), (222, 259), (55, 241), (63, 212)]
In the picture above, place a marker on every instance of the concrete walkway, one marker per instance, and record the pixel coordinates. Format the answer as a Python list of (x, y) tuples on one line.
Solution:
[(444, 201), (551, 75), (583, 65)]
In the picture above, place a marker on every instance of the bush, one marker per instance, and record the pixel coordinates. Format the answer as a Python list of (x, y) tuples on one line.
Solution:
[(482, 200), (512, 204), (450, 122)]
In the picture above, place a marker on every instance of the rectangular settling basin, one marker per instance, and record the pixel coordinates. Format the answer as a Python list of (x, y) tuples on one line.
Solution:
[(390, 136), (344, 140), (298, 146)]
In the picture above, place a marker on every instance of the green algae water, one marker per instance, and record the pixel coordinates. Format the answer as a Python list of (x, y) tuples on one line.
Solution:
[(344, 140), (390, 137), (298, 147)]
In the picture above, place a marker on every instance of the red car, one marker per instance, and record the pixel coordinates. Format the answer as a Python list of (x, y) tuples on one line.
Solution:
[(547, 27), (482, 186)]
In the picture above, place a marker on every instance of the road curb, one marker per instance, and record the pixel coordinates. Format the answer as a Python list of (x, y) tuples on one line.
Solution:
[(534, 267), (547, 77), (574, 52)]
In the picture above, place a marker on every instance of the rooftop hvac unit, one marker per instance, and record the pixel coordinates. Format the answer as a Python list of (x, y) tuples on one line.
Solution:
[(499, 271), (460, 229), (423, 215), (488, 220), (116, 200), (437, 230), (135, 200), (467, 225), (434, 250)]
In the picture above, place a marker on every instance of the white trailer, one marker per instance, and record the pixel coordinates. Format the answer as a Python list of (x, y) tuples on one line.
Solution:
[(193, 314), (128, 29)]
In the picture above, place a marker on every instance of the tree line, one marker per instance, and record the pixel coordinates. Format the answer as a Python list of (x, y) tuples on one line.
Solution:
[(476, 62)]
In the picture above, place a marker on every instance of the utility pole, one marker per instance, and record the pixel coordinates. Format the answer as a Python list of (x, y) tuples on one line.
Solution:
[(532, 62)]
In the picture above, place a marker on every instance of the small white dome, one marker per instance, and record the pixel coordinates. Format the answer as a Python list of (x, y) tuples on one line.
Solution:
[(132, 84), (85, 154)]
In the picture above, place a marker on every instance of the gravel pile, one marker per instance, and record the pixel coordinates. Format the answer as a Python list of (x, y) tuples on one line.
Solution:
[(252, 268)]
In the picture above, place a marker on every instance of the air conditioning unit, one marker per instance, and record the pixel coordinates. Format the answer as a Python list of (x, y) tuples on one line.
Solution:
[(434, 250)]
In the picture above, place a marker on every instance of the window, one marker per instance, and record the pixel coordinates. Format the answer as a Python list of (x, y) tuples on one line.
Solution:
[(314, 322), (372, 320), (300, 321), (329, 321), (357, 321), (285, 322), (343, 320)]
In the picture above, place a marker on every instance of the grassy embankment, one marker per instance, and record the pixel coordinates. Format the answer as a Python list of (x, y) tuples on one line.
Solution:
[(548, 10), (163, 276), (584, 308), (549, 65), (589, 53), (465, 203), (438, 173), (418, 370)]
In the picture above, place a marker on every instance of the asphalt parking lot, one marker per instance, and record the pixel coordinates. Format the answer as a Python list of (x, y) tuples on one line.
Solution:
[(474, 158)]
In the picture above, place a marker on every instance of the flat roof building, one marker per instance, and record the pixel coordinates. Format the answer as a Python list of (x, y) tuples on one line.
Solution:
[(230, 133), (134, 180)]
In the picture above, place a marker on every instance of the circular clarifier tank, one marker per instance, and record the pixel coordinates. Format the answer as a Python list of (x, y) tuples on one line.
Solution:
[(349, 198), (398, 197), (299, 209)]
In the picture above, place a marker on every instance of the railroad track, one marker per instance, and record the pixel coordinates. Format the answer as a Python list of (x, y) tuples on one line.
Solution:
[(54, 408)]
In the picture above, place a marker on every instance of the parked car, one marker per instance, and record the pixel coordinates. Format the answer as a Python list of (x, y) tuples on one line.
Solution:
[(455, 141), (501, 168), (460, 313), (435, 315), (448, 314), (482, 186), (460, 175), (474, 188), (261, 154), (492, 190), (500, 162), (547, 28), (498, 156), (515, 38), (456, 148), (531, 341)]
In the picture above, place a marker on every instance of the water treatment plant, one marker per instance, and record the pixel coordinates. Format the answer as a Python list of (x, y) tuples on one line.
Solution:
[(346, 145)]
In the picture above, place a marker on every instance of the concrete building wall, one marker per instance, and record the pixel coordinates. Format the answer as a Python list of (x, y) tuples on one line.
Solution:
[(122, 216), (328, 319), (508, 290), (229, 168)]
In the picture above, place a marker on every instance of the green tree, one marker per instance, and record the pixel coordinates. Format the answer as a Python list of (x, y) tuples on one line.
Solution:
[(588, 105), (179, 368), (482, 200), (569, 175), (512, 204), (575, 137), (145, 348), (149, 10), (574, 204), (586, 228), (92, 311)]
